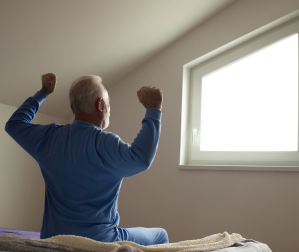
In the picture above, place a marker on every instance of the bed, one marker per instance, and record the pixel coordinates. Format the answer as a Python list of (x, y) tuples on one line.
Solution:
[(23, 241), (19, 233)]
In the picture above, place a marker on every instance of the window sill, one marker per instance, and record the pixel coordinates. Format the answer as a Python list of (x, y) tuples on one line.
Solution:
[(239, 168)]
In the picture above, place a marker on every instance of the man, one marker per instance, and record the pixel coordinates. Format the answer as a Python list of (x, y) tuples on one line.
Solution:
[(83, 166)]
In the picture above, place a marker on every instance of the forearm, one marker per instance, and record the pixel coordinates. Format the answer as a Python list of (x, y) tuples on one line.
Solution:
[(146, 142)]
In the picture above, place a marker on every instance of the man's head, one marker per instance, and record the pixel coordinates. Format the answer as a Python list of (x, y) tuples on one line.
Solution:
[(89, 96)]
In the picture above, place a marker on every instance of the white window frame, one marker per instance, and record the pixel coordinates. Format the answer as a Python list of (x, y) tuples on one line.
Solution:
[(217, 160)]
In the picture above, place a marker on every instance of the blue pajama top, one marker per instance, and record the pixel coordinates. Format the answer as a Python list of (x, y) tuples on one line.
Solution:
[(83, 168)]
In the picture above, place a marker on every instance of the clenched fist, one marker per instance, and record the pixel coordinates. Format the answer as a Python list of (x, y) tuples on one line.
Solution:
[(150, 97), (48, 83)]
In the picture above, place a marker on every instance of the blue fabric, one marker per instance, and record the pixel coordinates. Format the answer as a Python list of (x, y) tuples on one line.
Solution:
[(19, 233), (83, 168), (143, 236)]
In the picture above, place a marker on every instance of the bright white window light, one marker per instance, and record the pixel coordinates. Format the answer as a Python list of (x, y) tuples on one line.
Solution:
[(252, 104)]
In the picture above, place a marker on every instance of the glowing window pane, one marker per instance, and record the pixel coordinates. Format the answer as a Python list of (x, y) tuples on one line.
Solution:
[(252, 104)]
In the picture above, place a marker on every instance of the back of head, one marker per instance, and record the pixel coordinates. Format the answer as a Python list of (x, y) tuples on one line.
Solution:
[(84, 93)]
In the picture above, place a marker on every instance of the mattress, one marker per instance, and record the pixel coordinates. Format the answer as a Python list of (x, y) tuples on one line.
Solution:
[(20, 233)]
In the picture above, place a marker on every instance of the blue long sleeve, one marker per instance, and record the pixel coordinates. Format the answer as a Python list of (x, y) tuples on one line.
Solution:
[(19, 126), (83, 168)]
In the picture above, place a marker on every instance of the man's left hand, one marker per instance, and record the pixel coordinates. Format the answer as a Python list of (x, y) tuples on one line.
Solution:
[(48, 83)]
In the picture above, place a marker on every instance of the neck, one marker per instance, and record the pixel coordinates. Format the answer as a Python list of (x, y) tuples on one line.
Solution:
[(92, 118)]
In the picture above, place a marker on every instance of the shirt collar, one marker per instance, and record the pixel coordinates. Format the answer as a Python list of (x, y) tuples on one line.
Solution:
[(85, 124)]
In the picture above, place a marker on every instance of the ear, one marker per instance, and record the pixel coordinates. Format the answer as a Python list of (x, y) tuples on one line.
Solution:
[(100, 105)]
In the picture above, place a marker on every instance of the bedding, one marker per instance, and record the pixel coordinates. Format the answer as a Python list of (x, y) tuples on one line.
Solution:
[(16, 240), (19, 233)]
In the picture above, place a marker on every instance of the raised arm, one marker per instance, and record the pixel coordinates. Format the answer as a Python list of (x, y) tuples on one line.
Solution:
[(126, 160), (19, 126)]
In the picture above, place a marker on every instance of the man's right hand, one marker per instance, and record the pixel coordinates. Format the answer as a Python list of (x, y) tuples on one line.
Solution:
[(150, 97), (48, 83)]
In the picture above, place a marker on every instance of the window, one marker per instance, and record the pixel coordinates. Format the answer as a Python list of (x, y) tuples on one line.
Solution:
[(240, 106)]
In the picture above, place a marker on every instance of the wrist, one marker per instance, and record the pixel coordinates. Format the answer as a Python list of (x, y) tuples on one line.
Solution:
[(45, 92), (40, 97), (155, 107), (158, 107), (154, 113)]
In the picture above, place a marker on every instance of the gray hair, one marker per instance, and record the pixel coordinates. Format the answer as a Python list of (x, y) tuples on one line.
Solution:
[(84, 93)]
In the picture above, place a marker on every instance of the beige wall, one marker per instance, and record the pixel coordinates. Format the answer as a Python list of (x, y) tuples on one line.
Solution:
[(263, 206), (22, 186)]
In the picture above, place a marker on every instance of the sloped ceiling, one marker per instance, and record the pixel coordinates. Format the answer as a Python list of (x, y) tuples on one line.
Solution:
[(72, 38)]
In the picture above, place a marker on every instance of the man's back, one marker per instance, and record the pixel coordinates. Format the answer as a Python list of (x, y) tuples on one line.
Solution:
[(81, 190)]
